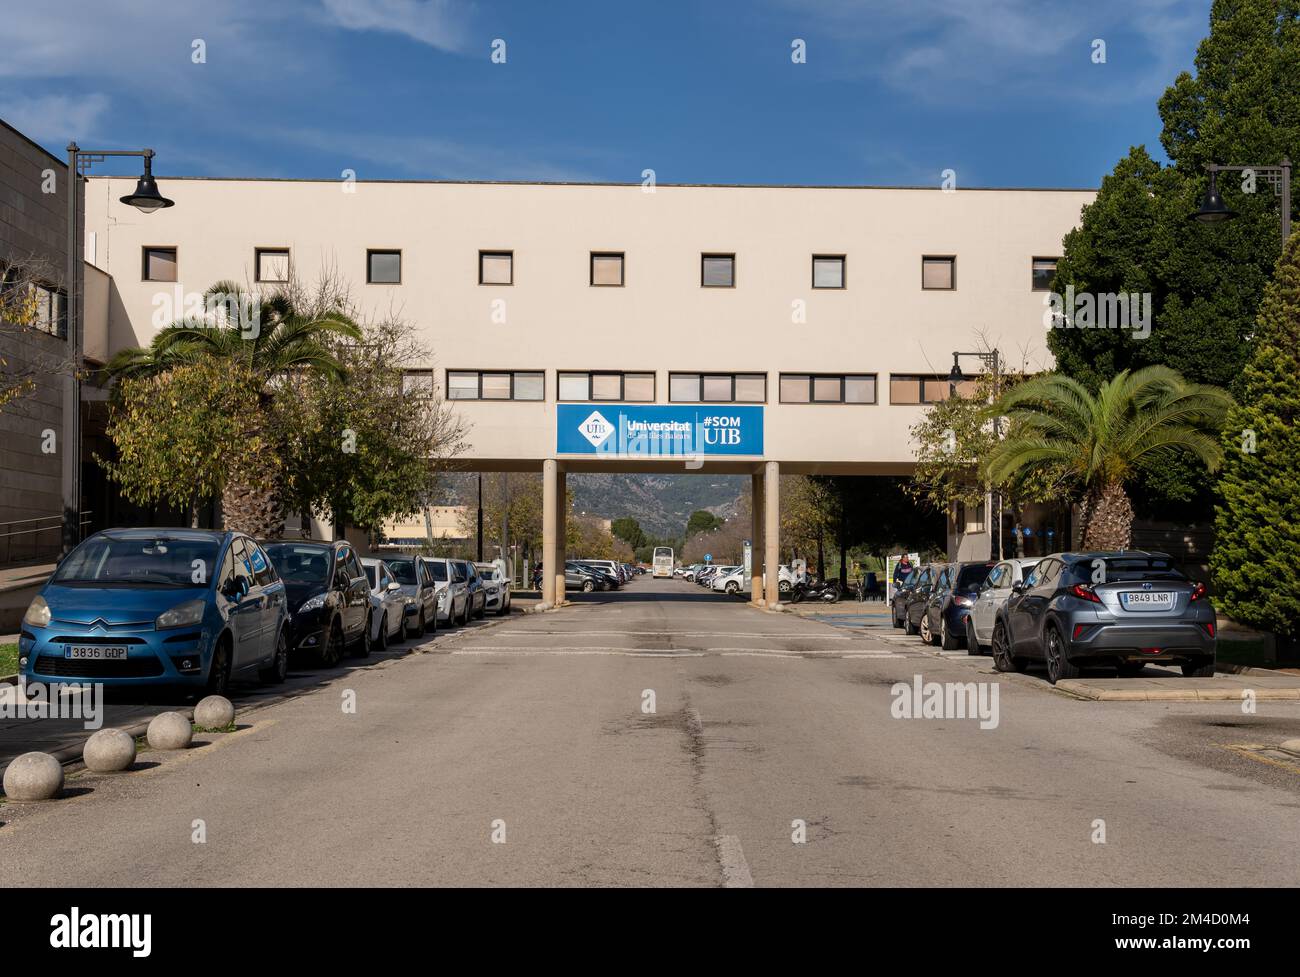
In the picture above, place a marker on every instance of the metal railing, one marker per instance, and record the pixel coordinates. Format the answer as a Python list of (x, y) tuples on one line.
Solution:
[(38, 546)]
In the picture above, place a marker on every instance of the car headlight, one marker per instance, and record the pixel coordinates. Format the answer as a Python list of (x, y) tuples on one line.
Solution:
[(38, 612), (182, 615), (442, 597), (314, 603)]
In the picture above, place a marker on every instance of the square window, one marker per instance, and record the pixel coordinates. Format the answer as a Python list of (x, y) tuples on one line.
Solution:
[(417, 383), (462, 386), (828, 271), (827, 390), (939, 273), (160, 264), (684, 387), (496, 386), (718, 271), (904, 390), (606, 386), (1044, 270), (639, 387), (383, 267), (717, 387), (573, 386), (496, 267), (751, 388), (794, 388), (272, 264), (860, 390), (530, 386), (606, 269)]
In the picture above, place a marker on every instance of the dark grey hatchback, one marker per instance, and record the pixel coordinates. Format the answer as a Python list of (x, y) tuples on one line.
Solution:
[(1122, 610)]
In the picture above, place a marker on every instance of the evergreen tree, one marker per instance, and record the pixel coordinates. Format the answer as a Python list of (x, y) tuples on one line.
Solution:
[(1256, 558)]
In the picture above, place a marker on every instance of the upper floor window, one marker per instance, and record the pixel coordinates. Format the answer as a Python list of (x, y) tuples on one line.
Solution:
[(496, 267), (1043, 271), (925, 389), (383, 267), (606, 385), (271, 264), (939, 272), (159, 265), (720, 388), (828, 271), (822, 388), (32, 303), (606, 268), (496, 385), (718, 270), (418, 383)]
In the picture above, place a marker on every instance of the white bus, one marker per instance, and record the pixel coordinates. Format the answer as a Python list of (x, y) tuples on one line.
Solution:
[(663, 561)]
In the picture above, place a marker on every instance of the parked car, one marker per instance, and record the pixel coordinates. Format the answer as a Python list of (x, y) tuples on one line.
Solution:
[(584, 578), (993, 594), (476, 593), (420, 611), (452, 598), (387, 604), (706, 574), (497, 587), (730, 580), (1124, 610), (601, 578), (614, 569), (911, 600), (183, 608), (328, 598), (943, 622)]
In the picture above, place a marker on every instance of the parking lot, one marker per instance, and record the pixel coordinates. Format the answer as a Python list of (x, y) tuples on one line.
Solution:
[(660, 735)]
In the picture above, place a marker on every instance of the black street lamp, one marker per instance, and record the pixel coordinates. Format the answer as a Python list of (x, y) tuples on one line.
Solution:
[(146, 199), (1214, 211)]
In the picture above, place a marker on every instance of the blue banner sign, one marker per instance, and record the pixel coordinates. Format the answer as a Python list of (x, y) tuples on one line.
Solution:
[(658, 431)]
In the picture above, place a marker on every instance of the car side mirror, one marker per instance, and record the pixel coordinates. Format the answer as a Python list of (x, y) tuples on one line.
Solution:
[(1018, 587), (394, 585)]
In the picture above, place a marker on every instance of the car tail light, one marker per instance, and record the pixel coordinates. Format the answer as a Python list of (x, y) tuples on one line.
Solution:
[(961, 600), (1084, 592), (1151, 651), (1079, 629), (1209, 628), (1198, 591)]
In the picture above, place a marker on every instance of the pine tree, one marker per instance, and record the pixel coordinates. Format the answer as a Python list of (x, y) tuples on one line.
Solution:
[(1256, 558)]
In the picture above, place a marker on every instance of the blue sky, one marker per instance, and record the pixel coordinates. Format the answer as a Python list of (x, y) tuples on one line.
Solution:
[(1004, 92)]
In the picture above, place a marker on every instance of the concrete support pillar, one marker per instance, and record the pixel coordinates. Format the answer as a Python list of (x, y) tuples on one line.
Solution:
[(561, 534), (758, 521), (549, 512), (772, 529)]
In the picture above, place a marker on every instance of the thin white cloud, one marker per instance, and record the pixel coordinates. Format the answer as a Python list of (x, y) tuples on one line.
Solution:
[(436, 23), (55, 119)]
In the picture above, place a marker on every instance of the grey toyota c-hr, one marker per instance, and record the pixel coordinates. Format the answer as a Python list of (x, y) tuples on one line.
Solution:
[(1122, 610)]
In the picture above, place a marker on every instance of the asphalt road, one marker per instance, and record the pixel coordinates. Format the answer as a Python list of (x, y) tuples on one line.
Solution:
[(521, 753)]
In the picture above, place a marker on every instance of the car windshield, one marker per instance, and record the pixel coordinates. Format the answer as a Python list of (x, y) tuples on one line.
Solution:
[(300, 562), (970, 577), (439, 570), (403, 571), (152, 561), (488, 573), (1120, 569)]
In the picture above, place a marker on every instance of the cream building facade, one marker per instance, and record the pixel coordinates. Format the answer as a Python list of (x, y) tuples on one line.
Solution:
[(739, 329)]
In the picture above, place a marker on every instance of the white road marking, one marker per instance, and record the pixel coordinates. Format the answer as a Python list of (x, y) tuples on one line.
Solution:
[(716, 634), (672, 652), (735, 870)]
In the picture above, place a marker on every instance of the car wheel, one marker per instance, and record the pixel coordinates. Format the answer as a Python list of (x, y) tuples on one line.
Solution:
[(783, 586), (908, 626), (219, 672), (1203, 668), (482, 610), (419, 627), (1003, 660), (894, 619), (733, 588), (972, 642), (276, 672), (431, 623), (947, 640), (332, 653), (1059, 667), (504, 606), (588, 586), (383, 633)]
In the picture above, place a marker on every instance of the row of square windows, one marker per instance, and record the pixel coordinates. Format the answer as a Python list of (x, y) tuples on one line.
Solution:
[(690, 388), (384, 267)]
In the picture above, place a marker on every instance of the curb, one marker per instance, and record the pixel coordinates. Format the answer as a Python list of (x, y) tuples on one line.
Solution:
[(1084, 691)]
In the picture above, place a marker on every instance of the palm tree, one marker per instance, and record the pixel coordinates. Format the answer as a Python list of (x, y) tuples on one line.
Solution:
[(273, 337), (1097, 442)]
